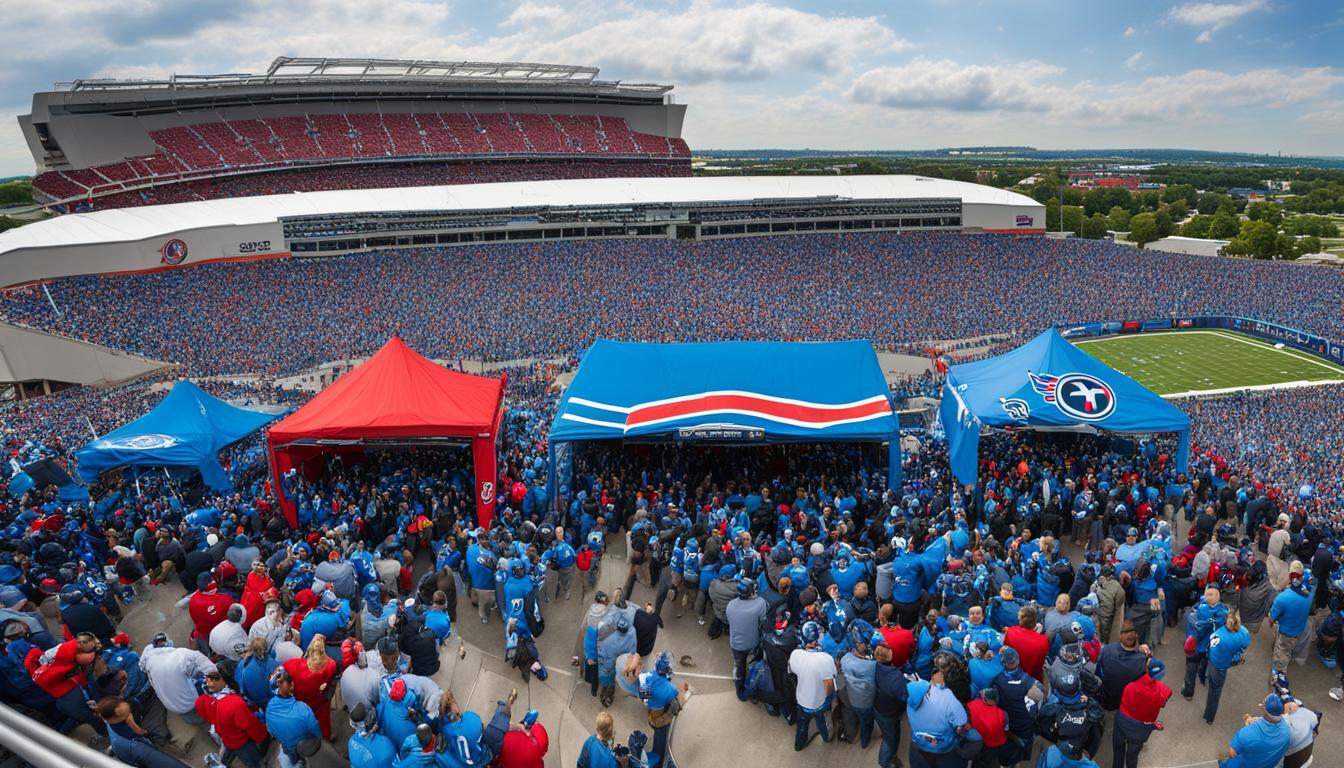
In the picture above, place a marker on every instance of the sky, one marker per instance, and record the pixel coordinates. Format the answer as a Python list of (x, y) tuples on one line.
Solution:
[(1249, 75)]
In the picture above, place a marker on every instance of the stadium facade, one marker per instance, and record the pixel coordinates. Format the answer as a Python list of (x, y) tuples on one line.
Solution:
[(331, 223), (333, 123)]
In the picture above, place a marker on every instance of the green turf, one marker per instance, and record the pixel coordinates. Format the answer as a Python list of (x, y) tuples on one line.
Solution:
[(1201, 361)]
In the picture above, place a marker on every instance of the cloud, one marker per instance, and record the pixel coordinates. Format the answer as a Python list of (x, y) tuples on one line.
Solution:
[(1211, 17), (946, 84), (1328, 122), (1129, 32), (1035, 87), (1135, 61), (705, 41)]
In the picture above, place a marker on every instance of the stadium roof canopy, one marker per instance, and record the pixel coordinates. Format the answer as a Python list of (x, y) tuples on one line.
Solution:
[(1049, 384), (737, 392), (148, 222)]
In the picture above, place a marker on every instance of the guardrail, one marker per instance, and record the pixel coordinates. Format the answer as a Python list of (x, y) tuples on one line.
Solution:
[(45, 748)]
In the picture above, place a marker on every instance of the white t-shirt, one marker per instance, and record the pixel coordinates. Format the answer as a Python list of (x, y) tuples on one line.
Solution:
[(813, 669)]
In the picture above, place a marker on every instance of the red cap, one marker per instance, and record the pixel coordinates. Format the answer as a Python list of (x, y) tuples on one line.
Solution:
[(398, 690), (121, 638)]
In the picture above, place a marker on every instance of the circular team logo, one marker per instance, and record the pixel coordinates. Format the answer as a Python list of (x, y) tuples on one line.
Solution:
[(1084, 397), (139, 442), (487, 492), (174, 252)]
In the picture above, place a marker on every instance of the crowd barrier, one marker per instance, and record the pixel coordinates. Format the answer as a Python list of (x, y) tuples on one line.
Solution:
[(1319, 346)]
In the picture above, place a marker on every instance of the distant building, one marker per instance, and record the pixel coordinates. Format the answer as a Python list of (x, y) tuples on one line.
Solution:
[(1193, 246), (1247, 192)]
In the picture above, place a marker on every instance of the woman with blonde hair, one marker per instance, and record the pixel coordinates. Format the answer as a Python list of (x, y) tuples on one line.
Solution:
[(253, 673), (1226, 646), (599, 751), (311, 674)]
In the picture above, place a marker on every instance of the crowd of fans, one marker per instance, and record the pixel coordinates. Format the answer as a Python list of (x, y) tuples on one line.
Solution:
[(1003, 624), (517, 301)]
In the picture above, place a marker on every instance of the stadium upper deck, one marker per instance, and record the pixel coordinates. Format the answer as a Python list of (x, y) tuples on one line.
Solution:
[(113, 143)]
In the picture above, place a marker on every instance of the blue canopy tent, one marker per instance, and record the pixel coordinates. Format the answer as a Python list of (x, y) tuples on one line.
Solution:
[(188, 428), (736, 392), (1049, 383)]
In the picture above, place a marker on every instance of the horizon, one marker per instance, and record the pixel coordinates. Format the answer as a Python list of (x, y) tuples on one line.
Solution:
[(1255, 77)]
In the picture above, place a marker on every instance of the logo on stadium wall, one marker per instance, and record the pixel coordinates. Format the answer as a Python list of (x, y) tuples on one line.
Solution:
[(1078, 330), (1016, 408), (1185, 323), (487, 492), (173, 252), (1024, 221), (139, 442), (1076, 395)]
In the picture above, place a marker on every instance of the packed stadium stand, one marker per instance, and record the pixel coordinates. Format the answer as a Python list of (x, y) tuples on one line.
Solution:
[(115, 143)]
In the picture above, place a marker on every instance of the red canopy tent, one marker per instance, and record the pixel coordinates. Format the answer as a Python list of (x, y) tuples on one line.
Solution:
[(396, 398)]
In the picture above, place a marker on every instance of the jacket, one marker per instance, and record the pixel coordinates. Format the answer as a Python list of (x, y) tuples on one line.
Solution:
[(233, 720), (291, 721)]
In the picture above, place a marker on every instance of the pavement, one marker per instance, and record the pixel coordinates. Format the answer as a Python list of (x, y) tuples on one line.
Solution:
[(715, 728)]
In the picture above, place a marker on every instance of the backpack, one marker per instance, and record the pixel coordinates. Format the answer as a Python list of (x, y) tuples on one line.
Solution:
[(759, 683), (584, 559)]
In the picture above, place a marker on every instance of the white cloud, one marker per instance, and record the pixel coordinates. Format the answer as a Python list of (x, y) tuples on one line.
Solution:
[(1135, 61), (1211, 17), (946, 84), (1129, 32), (1327, 122)]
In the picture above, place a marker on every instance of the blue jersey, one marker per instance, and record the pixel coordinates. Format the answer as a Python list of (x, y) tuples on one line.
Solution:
[(370, 750), (464, 740)]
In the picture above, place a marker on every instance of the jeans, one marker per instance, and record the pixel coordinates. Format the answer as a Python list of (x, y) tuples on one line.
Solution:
[(740, 659), (1127, 740), (866, 717), (1195, 665), (658, 755), (891, 738), (1216, 679), (921, 759), (249, 755), (805, 717)]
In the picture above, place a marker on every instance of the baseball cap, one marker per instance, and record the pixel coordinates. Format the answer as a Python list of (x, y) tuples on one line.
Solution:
[(11, 596), (1273, 706), (1009, 657)]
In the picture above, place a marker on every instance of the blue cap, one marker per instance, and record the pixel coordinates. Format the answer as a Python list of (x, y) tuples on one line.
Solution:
[(811, 632), (11, 596), (1009, 656), (727, 570), (1156, 668), (10, 574), (1273, 705), (330, 601)]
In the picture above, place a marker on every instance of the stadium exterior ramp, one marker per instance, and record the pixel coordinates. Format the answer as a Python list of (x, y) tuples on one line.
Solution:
[(32, 361), (152, 238)]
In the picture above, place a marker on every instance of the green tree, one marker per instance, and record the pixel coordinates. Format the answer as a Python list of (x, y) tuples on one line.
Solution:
[(1258, 239), (1103, 199), (1052, 215), (1308, 244), (869, 167), (1307, 224), (1119, 219), (1094, 228), (1208, 202), (1185, 192), (1197, 226), (1266, 211), (1073, 218), (1165, 226), (1224, 225), (9, 223), (1149, 199), (1143, 229), (1178, 210), (16, 193)]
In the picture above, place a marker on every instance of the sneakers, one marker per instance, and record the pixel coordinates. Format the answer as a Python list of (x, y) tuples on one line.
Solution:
[(701, 621), (1337, 694)]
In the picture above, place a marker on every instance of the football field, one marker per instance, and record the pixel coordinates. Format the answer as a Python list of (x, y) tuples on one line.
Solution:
[(1186, 363)]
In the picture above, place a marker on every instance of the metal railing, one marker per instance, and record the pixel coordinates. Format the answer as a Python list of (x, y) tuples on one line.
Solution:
[(45, 748)]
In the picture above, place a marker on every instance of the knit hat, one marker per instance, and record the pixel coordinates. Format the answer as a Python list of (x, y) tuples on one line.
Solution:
[(1273, 707)]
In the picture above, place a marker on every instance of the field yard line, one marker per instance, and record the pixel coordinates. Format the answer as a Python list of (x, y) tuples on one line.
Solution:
[(1229, 337), (1252, 388)]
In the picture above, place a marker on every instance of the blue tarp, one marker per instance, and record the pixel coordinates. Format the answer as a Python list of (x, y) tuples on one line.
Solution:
[(1049, 383), (736, 391), (187, 428)]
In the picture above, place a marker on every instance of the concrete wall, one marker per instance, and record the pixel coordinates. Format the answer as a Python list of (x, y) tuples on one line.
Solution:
[(28, 355), (987, 217)]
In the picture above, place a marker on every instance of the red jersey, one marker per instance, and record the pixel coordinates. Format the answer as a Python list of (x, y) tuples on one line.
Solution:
[(1031, 646), (989, 721), (901, 641), (1144, 698), (207, 609), (523, 749), (256, 591), (233, 720)]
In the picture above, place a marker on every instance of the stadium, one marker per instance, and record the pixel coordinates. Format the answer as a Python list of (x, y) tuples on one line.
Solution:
[(375, 349)]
